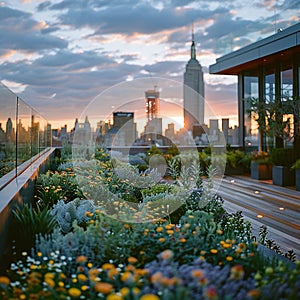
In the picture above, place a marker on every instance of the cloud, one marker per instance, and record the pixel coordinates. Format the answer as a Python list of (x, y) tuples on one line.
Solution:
[(19, 31)]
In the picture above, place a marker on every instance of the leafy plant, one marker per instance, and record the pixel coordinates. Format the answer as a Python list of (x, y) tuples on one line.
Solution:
[(296, 165)]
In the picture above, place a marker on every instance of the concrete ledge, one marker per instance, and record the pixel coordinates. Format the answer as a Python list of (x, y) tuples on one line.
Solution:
[(20, 190)]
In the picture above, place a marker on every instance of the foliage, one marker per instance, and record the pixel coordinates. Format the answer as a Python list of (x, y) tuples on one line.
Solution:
[(236, 158), (260, 157), (81, 211), (32, 221), (283, 157), (54, 186), (296, 165)]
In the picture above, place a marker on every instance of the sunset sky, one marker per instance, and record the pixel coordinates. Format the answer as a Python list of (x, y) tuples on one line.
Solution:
[(58, 55)]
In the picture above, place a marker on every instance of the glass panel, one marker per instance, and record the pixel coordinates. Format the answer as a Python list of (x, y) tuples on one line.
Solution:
[(23, 132), (8, 103), (250, 92), (35, 126), (286, 84), (269, 90)]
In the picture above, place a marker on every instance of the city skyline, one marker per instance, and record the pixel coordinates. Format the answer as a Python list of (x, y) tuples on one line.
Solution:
[(59, 55)]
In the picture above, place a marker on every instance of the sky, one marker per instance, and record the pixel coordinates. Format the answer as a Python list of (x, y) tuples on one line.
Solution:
[(59, 55)]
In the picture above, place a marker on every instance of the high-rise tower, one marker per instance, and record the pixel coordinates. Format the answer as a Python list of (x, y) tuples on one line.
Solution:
[(193, 91)]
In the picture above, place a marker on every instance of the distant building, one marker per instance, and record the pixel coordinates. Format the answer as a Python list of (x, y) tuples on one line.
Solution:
[(123, 131), (193, 91), (170, 131), (225, 128), (83, 132), (152, 104)]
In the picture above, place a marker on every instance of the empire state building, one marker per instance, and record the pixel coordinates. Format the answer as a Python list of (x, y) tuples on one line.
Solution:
[(193, 91)]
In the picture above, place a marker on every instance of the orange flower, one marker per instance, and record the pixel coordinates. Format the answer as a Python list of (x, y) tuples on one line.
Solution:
[(159, 229), (254, 293), (4, 280), (197, 273), (213, 251), (81, 259), (211, 293), (237, 272), (167, 254), (103, 287), (108, 266), (182, 240), (161, 240), (156, 277), (132, 260), (112, 272)]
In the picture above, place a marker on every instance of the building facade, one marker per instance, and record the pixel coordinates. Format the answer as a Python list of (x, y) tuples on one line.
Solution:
[(193, 91), (269, 76)]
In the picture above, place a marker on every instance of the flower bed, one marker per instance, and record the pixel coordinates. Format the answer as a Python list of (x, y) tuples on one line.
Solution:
[(197, 251)]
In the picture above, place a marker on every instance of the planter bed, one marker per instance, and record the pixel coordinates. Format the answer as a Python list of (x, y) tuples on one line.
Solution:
[(95, 250)]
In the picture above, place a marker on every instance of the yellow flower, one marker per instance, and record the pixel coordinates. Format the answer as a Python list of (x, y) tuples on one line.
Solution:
[(219, 231), (229, 258), (149, 297), (126, 276), (132, 260), (103, 287), (213, 251), (161, 240), (182, 240), (82, 277), (170, 231), (61, 284), (114, 297), (39, 254), (22, 296), (124, 291), (242, 246), (136, 290), (49, 275), (4, 280), (89, 265), (84, 287), (74, 292), (50, 282)]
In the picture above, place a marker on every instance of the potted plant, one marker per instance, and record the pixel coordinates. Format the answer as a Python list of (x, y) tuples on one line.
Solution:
[(236, 162), (283, 159), (261, 165), (296, 168)]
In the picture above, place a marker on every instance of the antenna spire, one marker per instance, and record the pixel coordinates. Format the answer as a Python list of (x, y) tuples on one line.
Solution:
[(193, 48)]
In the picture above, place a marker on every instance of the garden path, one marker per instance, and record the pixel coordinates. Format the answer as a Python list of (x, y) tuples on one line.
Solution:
[(263, 203)]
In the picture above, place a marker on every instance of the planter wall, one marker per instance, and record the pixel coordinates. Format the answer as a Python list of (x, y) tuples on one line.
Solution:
[(297, 172), (283, 176), (261, 171), (239, 170)]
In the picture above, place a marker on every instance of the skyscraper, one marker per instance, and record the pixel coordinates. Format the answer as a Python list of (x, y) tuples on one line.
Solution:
[(193, 91)]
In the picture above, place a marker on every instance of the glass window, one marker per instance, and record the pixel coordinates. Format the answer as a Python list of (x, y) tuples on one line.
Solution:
[(269, 89), (286, 78), (250, 93)]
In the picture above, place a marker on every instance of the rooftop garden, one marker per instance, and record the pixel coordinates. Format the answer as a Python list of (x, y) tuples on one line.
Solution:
[(102, 228)]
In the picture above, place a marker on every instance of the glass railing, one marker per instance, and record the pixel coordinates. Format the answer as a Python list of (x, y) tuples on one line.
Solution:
[(24, 133)]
